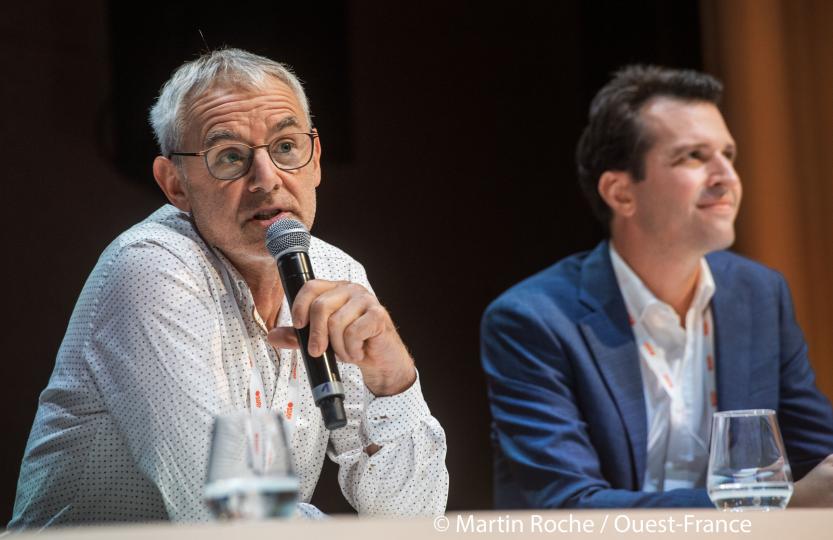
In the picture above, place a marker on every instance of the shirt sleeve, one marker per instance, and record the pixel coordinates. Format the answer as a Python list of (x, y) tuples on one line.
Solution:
[(407, 476), (156, 338)]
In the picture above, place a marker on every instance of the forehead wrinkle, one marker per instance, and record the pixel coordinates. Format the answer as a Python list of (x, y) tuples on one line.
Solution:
[(289, 121), (222, 134), (221, 109)]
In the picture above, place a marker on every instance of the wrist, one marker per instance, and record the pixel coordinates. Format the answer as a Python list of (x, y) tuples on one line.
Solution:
[(385, 384)]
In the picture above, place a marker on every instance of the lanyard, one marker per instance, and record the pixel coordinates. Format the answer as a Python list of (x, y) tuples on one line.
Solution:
[(257, 394), (292, 394), (654, 357)]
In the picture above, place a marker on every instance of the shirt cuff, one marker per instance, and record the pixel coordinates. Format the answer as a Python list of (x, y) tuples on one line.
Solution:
[(391, 417)]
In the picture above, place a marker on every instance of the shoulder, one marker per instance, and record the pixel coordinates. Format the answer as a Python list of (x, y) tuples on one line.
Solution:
[(166, 232), (321, 250), (168, 228), (548, 294), (162, 249), (332, 263), (741, 274)]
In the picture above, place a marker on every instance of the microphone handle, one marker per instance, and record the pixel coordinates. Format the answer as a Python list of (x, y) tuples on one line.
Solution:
[(327, 389)]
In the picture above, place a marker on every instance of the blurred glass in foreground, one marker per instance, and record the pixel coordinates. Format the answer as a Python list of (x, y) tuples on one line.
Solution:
[(250, 472)]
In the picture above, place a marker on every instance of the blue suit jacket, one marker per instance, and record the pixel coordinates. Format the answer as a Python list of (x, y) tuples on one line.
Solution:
[(565, 386)]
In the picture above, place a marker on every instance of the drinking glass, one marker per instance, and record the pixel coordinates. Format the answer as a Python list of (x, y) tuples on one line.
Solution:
[(748, 467), (250, 468)]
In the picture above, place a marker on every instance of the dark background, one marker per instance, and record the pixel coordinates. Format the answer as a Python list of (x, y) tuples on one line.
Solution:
[(448, 131)]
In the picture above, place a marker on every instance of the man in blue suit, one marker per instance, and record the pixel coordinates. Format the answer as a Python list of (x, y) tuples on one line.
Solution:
[(605, 369)]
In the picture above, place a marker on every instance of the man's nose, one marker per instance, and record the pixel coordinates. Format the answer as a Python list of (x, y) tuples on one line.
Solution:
[(723, 170), (264, 175)]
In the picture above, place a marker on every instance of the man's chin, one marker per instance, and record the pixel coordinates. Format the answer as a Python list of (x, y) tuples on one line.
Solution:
[(722, 240)]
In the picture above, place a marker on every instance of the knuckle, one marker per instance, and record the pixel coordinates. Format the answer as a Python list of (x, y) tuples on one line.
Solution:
[(305, 292), (318, 305), (357, 355), (335, 321), (350, 332), (354, 288)]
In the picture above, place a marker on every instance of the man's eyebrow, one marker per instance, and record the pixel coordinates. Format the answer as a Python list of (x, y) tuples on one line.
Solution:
[(289, 121), (685, 147), (214, 137), (688, 146)]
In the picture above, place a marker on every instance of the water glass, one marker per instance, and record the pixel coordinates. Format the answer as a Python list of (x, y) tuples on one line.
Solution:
[(250, 472), (748, 466)]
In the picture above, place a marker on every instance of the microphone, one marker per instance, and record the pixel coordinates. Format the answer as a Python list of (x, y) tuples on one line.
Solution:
[(288, 241)]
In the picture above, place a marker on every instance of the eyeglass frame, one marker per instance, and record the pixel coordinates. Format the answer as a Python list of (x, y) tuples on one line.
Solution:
[(204, 154)]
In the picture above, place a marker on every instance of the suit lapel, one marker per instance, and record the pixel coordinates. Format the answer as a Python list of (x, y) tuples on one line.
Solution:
[(733, 341), (610, 338)]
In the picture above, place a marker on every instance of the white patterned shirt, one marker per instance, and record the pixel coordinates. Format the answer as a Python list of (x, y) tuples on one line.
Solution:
[(679, 423), (154, 350)]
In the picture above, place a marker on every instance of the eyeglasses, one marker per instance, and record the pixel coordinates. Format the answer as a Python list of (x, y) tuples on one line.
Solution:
[(231, 161)]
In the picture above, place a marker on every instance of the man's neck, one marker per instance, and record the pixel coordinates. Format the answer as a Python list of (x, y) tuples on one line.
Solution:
[(263, 279), (671, 277)]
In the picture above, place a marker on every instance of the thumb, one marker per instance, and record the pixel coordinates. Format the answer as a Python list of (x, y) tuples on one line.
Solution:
[(283, 337)]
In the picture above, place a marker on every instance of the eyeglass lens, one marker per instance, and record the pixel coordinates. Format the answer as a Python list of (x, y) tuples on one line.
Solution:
[(230, 161)]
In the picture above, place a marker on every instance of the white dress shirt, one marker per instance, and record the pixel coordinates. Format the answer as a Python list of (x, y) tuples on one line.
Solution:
[(680, 408), (154, 350)]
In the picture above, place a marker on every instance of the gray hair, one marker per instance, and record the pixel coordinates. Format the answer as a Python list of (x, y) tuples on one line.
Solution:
[(233, 66)]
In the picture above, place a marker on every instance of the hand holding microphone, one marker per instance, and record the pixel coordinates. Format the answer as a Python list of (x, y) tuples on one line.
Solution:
[(342, 316)]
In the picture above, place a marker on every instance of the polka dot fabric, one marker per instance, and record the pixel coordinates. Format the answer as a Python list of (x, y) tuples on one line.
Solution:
[(154, 350)]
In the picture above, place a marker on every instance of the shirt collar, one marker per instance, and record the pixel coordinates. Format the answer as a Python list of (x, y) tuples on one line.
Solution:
[(243, 294), (638, 298)]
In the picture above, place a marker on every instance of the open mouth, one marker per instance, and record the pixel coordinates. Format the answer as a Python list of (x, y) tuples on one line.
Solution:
[(267, 214)]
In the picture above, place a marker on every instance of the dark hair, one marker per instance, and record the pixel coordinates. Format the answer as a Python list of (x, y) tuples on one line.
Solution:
[(614, 139)]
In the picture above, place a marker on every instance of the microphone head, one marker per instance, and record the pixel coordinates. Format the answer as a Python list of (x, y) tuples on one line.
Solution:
[(287, 236)]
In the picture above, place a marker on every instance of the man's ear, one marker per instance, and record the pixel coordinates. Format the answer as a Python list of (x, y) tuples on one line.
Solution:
[(170, 180), (616, 189), (316, 158)]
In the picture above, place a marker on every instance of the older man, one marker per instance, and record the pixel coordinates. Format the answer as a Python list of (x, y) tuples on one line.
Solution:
[(164, 330), (605, 369)]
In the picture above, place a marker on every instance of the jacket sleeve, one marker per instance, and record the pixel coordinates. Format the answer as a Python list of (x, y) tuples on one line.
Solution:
[(538, 426), (804, 413)]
